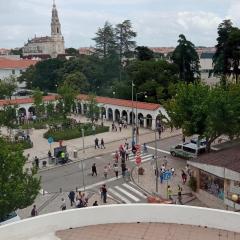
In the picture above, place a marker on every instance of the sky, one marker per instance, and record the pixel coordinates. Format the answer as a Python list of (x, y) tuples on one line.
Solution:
[(157, 22)]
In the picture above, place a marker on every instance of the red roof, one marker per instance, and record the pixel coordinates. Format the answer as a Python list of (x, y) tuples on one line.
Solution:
[(16, 64), (122, 102), (103, 100), (25, 100)]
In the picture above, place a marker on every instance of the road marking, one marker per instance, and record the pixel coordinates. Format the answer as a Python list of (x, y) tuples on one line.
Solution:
[(43, 192), (143, 157), (134, 190), (119, 195), (99, 183), (159, 150), (127, 194)]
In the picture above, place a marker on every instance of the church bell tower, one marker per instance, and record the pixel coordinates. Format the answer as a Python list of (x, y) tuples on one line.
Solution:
[(55, 23)]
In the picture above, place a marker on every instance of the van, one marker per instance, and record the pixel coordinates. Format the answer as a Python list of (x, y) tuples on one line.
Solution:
[(9, 218), (187, 150)]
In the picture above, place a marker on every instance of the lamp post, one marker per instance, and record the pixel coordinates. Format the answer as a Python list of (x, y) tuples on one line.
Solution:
[(136, 117), (132, 115)]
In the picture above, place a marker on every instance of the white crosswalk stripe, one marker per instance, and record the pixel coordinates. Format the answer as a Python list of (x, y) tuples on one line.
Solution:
[(127, 193), (145, 158), (119, 195), (134, 190)]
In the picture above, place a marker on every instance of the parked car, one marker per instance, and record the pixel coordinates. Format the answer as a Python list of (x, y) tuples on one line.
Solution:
[(202, 142), (187, 150), (9, 218)]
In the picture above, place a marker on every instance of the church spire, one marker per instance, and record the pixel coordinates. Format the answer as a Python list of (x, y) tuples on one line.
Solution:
[(55, 24)]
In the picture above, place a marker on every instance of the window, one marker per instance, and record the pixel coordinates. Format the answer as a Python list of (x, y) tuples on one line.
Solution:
[(212, 184), (13, 71), (188, 149)]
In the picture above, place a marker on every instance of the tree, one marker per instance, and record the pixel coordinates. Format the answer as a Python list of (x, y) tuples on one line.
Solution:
[(144, 53), (125, 42), (221, 61), (187, 59), (208, 112), (77, 80), (92, 108), (72, 52), (67, 97), (7, 87), (38, 102), (19, 188), (8, 117), (105, 41)]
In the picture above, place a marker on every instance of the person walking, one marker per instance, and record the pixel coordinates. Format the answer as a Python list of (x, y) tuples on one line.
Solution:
[(161, 177), (96, 143), (34, 211), (94, 169), (180, 194), (120, 127), (104, 193), (169, 192), (165, 161), (116, 156), (115, 168), (95, 203), (127, 154), (173, 171), (123, 166), (102, 144), (184, 177), (36, 161), (63, 205), (145, 150), (71, 196), (105, 171)]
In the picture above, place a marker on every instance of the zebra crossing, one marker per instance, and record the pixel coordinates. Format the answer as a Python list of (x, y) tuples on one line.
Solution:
[(145, 157), (127, 193)]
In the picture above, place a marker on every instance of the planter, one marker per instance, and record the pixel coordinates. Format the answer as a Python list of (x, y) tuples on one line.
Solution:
[(141, 171)]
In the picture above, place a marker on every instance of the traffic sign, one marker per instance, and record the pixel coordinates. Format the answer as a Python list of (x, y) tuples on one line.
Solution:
[(50, 140), (167, 175)]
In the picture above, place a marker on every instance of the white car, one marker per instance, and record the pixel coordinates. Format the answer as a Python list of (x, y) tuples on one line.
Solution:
[(10, 218)]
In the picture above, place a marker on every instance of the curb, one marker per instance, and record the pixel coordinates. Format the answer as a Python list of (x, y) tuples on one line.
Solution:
[(79, 160)]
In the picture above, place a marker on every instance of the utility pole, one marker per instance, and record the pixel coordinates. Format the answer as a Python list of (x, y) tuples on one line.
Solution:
[(156, 162), (132, 115)]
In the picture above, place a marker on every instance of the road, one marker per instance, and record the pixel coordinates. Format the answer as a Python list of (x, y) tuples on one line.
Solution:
[(70, 177)]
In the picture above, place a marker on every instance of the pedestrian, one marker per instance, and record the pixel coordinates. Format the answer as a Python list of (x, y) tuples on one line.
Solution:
[(183, 139), (105, 171), (95, 203), (34, 212), (116, 156), (102, 144), (127, 154), (173, 171), (96, 143), (163, 168), (126, 144), (94, 169), (180, 194), (36, 161), (63, 205), (184, 177), (71, 196), (187, 168), (145, 148), (115, 168), (104, 193), (123, 166), (161, 177), (113, 127), (159, 132), (49, 155), (165, 161), (120, 127), (169, 192)]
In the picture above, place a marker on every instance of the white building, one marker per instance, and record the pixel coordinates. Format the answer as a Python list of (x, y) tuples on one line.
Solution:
[(14, 67), (49, 46)]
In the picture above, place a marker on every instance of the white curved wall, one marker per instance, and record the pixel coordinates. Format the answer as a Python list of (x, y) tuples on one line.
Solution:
[(47, 224)]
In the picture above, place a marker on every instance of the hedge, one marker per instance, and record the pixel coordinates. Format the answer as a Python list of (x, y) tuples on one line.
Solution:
[(75, 132)]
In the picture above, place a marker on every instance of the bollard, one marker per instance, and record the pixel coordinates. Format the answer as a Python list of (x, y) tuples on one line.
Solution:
[(75, 153)]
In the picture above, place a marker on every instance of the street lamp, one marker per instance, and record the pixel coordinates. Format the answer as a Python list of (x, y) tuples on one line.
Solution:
[(136, 117)]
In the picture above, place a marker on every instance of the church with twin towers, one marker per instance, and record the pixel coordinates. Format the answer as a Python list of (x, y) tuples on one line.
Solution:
[(48, 46)]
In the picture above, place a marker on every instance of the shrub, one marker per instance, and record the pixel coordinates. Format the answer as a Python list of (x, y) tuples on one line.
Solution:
[(193, 183)]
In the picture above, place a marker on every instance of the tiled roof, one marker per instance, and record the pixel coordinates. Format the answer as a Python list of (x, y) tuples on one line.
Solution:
[(15, 64), (227, 158), (101, 100), (123, 102), (25, 100)]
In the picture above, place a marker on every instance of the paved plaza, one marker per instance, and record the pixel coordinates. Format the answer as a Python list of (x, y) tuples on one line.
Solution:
[(146, 231)]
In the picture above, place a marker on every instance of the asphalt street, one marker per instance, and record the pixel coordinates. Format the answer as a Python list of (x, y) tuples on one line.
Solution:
[(70, 177)]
